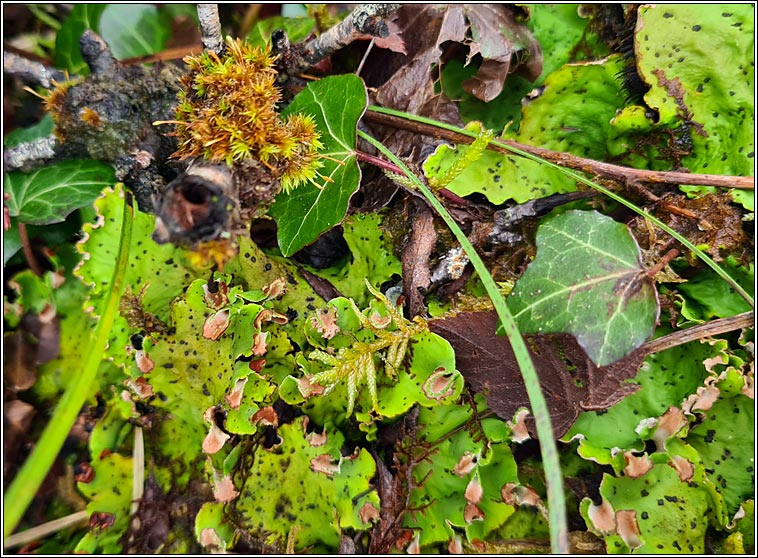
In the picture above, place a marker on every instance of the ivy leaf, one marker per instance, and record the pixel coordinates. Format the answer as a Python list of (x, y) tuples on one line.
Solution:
[(587, 280), (52, 193), (41, 129), (133, 29), (336, 103), (67, 54)]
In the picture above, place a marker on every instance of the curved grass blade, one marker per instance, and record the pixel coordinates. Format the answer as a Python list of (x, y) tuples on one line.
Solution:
[(28, 480), (553, 477), (576, 176)]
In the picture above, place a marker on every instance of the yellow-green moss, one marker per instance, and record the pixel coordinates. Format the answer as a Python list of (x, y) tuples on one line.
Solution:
[(227, 114)]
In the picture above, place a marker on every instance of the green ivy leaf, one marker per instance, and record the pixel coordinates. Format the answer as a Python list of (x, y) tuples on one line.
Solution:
[(336, 103), (67, 54), (51, 193), (133, 29), (587, 280)]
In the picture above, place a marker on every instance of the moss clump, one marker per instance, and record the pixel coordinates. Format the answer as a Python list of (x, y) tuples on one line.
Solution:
[(227, 114)]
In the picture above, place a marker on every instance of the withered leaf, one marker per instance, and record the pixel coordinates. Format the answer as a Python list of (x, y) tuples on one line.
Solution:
[(416, 259), (571, 382), (493, 31)]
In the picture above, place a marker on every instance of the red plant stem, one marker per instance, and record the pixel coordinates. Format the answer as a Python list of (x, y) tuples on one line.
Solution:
[(386, 165), (378, 162), (667, 257), (28, 252)]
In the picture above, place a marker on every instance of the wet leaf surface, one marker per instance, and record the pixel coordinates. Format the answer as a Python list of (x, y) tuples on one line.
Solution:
[(588, 280)]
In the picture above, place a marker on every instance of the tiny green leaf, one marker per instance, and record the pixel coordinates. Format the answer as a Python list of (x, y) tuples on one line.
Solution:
[(587, 280), (301, 215), (52, 193)]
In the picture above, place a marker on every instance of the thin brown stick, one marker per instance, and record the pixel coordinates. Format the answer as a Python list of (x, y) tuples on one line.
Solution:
[(176, 53), (28, 252), (366, 19), (714, 327), (590, 166), (665, 260), (249, 19)]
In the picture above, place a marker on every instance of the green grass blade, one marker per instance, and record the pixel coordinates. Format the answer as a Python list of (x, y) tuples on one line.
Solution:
[(28, 480), (576, 176), (553, 477)]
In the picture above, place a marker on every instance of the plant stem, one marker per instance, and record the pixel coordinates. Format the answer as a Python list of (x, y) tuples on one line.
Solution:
[(700, 331), (426, 126), (28, 252), (663, 262), (530, 153), (42, 531), (28, 480), (553, 477)]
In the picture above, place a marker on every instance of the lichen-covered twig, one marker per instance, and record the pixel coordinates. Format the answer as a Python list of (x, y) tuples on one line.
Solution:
[(210, 27), (30, 71), (366, 19), (29, 155)]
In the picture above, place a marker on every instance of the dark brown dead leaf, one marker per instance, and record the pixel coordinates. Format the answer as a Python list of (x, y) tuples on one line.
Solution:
[(416, 258), (19, 372), (570, 381), (493, 32)]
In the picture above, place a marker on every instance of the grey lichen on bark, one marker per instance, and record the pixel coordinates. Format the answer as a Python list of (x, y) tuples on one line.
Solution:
[(210, 27)]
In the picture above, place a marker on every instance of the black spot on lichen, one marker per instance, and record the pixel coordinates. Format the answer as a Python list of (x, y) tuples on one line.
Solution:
[(696, 28)]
